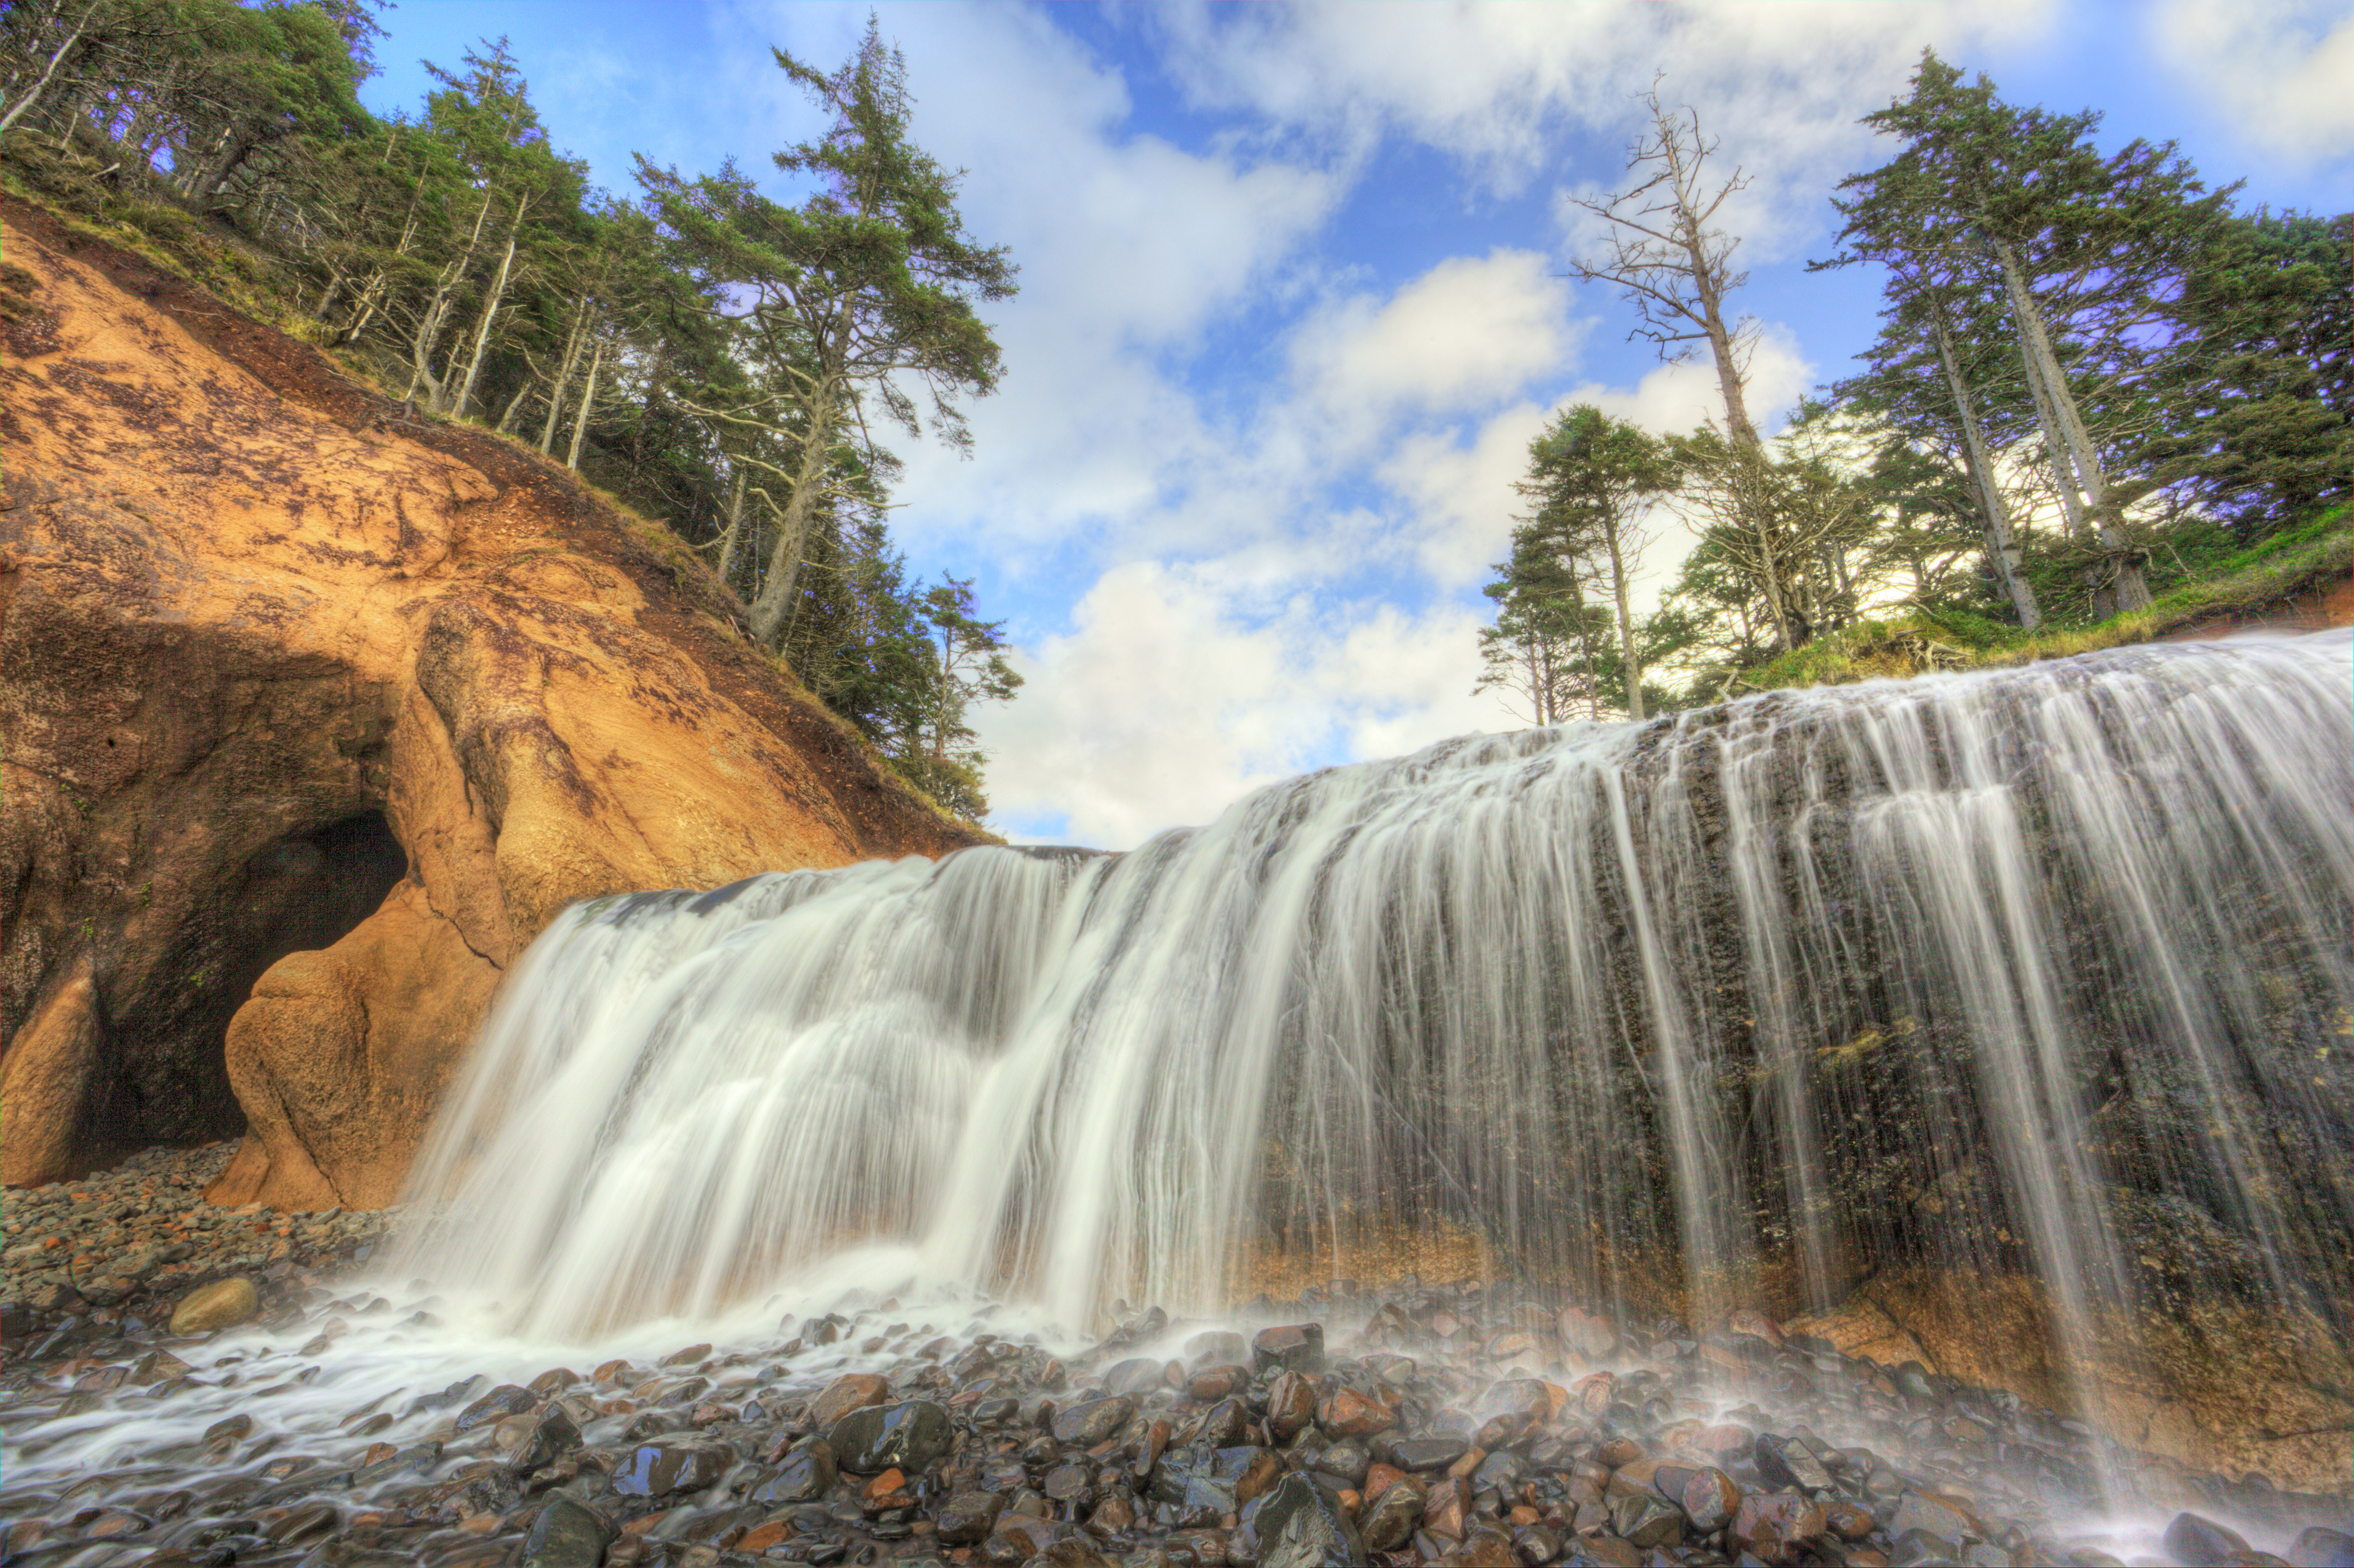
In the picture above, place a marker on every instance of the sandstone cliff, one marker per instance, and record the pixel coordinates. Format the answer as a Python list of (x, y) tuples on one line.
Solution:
[(314, 714)]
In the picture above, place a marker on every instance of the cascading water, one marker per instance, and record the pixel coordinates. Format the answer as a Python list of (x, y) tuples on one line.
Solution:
[(1741, 1005)]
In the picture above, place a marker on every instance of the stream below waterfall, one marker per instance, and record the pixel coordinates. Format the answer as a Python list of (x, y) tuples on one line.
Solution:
[(1548, 1075)]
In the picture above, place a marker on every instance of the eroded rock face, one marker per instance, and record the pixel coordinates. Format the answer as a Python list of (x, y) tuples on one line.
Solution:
[(314, 714)]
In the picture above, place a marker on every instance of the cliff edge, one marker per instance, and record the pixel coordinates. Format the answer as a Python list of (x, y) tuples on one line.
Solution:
[(316, 713)]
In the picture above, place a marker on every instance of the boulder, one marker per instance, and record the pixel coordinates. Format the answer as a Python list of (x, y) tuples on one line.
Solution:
[(223, 1304)]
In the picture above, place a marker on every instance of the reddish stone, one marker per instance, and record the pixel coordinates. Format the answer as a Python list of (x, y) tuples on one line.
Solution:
[(853, 1391), (1348, 1414)]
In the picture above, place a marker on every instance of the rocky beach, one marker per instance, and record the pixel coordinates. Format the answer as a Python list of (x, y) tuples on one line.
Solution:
[(1464, 1425)]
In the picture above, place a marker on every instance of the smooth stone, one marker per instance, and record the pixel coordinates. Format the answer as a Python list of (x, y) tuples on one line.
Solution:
[(1099, 1420), (1290, 1407), (2324, 1548), (1785, 1465), (508, 1399), (853, 1391), (223, 1304), (1140, 1374), (543, 1441), (1421, 1455), (968, 1518), (806, 1473), (1348, 1414), (1936, 1516), (1647, 1522), (2196, 1542), (1294, 1348), (567, 1534), (1350, 1460), (907, 1436), (659, 1469)]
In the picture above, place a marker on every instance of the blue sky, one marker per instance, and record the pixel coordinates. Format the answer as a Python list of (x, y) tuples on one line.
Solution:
[(1292, 304)]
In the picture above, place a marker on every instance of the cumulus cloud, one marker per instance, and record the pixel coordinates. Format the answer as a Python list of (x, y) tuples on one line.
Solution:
[(1161, 706), (2280, 68), (1468, 334)]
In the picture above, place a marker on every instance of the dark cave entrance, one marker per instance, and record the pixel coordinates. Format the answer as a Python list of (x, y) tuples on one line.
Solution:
[(302, 893)]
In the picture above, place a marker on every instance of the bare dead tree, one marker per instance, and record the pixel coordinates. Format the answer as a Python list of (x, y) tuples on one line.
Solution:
[(1663, 247)]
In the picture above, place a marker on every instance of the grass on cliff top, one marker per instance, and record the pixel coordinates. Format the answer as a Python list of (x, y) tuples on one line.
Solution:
[(1914, 641)]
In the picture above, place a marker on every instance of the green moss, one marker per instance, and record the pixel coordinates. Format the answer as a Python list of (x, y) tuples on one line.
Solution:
[(2227, 584)]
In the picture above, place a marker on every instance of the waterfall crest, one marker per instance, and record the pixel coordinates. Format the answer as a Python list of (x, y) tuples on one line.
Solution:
[(1972, 972)]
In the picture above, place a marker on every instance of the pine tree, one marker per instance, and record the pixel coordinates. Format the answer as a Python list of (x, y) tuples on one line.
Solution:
[(864, 288)]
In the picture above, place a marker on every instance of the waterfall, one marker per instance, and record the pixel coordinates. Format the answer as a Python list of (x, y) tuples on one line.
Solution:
[(1746, 1003)]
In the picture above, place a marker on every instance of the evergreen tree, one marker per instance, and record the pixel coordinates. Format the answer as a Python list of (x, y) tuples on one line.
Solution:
[(1591, 482), (868, 285)]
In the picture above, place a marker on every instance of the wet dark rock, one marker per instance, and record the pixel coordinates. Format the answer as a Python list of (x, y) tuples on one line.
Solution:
[(1295, 1348), (1784, 1464), (1140, 1374), (1214, 1348), (1932, 1516), (1709, 1499), (2197, 1543), (1346, 1413), (2322, 1548), (1223, 1423), (854, 1391), (1427, 1453), (500, 1403), (907, 1436), (567, 1534), (660, 1470), (807, 1472), (1770, 1526), (1290, 1405), (1348, 1460), (1390, 1519), (1296, 1525), (1099, 1420), (543, 1441), (1647, 1522), (969, 1517)]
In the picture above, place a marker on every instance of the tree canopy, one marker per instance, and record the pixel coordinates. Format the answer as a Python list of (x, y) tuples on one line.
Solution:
[(720, 358)]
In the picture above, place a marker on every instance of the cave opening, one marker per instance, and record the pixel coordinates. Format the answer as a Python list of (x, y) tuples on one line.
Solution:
[(302, 892)]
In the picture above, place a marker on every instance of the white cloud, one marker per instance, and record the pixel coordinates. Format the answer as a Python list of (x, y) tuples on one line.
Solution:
[(1161, 706), (1468, 334), (2283, 70), (1499, 84)]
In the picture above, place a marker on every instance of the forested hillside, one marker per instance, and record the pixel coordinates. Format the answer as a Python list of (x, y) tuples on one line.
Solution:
[(2105, 401), (720, 362)]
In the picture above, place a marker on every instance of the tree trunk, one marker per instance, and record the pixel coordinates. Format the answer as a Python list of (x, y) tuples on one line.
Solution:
[(771, 611), (514, 407), (1629, 665), (490, 303), (735, 524), (588, 401), (2068, 432), (2002, 548), (437, 313), (564, 373), (16, 111)]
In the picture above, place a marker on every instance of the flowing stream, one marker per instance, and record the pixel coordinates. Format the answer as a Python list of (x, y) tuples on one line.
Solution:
[(1731, 1008)]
